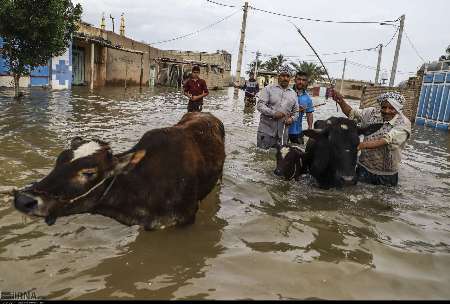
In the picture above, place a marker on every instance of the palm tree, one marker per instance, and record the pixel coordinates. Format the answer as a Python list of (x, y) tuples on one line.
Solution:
[(275, 63), (251, 66), (312, 70)]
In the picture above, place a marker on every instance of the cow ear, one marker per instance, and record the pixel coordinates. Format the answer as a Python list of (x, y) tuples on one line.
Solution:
[(126, 162), (314, 133), (369, 129), (76, 142)]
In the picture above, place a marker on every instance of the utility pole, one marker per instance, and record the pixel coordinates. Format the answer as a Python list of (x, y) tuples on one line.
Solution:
[(397, 51), (241, 44), (343, 73), (380, 52), (112, 20), (256, 64)]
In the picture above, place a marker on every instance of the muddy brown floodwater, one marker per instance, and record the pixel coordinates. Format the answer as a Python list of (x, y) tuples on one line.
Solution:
[(255, 237)]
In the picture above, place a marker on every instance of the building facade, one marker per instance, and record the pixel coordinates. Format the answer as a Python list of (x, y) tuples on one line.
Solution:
[(56, 74), (97, 57), (434, 102)]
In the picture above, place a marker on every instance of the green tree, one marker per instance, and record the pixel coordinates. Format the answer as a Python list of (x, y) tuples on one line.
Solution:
[(312, 70), (34, 31), (275, 63)]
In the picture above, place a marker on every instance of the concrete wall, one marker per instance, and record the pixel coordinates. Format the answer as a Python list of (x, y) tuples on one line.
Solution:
[(411, 95), (216, 75), (121, 65), (8, 81)]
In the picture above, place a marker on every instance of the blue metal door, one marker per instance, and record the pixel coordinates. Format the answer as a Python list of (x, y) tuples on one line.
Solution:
[(434, 101), (39, 76)]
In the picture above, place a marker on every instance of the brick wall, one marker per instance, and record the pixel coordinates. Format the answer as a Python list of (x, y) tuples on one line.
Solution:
[(411, 94)]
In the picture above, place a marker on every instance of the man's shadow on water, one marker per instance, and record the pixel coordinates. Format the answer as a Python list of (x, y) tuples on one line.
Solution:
[(158, 263)]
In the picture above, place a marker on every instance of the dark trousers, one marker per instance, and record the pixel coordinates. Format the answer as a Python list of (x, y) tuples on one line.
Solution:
[(374, 179), (194, 106)]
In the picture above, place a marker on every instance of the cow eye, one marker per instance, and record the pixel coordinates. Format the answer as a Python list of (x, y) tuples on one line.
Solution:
[(88, 173)]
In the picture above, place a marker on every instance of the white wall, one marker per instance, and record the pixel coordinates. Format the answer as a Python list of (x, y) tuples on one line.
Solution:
[(8, 81)]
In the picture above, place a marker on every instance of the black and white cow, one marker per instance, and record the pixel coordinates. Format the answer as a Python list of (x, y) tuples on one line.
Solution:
[(331, 152), (157, 183), (290, 162)]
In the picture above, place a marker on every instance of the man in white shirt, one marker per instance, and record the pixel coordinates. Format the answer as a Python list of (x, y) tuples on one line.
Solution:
[(381, 151)]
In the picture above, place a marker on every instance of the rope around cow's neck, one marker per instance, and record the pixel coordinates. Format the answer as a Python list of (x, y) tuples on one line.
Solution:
[(282, 135), (93, 188)]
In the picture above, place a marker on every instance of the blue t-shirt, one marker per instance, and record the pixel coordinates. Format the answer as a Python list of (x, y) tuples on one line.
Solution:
[(303, 101)]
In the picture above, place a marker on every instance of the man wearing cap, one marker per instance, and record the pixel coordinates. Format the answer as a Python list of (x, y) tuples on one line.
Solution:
[(381, 151), (279, 108)]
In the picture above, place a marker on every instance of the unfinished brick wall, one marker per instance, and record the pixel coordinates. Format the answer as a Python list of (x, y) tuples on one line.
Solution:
[(411, 94)]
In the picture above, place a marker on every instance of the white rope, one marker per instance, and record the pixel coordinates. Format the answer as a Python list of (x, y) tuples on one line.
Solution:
[(93, 188), (282, 136)]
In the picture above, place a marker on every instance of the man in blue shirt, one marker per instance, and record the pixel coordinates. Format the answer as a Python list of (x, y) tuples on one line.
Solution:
[(305, 106)]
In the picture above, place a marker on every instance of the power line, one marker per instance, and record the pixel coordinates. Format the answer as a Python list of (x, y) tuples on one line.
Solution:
[(395, 34), (414, 48), (334, 53), (290, 56), (346, 52), (197, 31), (386, 22), (221, 4), (374, 68)]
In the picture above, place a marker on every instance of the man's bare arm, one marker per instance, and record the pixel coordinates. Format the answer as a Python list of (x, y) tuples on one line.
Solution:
[(345, 107)]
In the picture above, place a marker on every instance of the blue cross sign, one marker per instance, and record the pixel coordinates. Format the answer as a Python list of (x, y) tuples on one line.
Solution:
[(62, 72)]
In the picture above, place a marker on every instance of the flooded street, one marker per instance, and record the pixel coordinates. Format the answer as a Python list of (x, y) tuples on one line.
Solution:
[(255, 237)]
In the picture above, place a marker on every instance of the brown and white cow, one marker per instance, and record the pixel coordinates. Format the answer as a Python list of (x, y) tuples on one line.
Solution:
[(157, 183)]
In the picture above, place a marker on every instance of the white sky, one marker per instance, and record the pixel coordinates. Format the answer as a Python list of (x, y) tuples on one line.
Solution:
[(427, 25)]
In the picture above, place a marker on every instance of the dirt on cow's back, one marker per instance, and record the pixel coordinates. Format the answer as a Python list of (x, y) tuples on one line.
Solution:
[(255, 237)]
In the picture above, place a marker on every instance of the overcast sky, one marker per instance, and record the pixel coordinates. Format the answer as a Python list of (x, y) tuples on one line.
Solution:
[(427, 25)]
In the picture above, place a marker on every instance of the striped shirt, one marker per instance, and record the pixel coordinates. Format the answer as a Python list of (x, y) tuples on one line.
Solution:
[(384, 160)]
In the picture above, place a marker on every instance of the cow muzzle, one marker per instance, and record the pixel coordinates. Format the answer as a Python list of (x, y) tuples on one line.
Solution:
[(348, 180), (25, 203)]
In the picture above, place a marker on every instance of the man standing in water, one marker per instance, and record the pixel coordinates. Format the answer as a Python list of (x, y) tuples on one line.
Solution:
[(305, 106), (279, 108), (195, 89), (251, 88), (381, 151)]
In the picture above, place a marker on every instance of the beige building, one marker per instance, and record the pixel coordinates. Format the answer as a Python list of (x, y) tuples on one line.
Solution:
[(351, 88), (101, 57)]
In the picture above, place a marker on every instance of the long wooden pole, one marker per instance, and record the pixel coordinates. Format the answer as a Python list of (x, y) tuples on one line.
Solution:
[(318, 57), (241, 44)]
